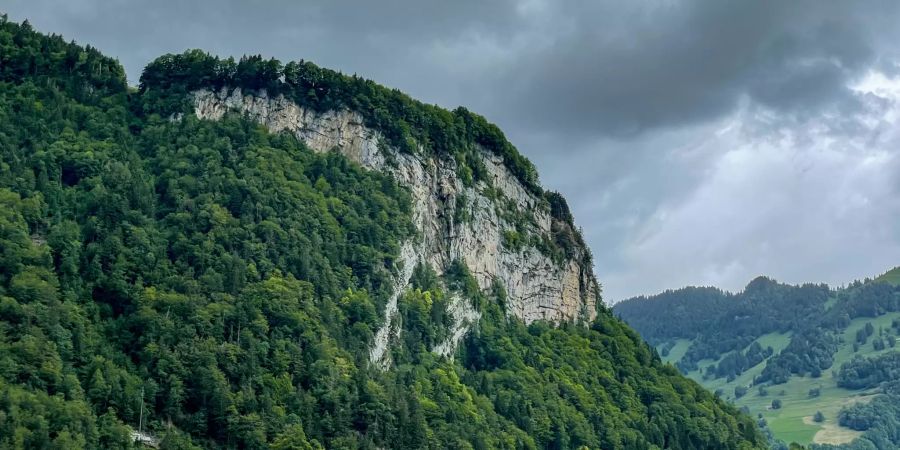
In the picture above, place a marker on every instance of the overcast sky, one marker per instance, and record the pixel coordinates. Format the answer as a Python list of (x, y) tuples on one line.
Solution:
[(698, 142)]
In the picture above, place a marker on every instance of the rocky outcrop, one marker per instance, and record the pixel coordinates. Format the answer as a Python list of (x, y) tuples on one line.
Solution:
[(465, 316), (408, 260), (537, 287)]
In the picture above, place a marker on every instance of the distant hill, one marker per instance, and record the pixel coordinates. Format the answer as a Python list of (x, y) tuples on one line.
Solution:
[(813, 348), (891, 276)]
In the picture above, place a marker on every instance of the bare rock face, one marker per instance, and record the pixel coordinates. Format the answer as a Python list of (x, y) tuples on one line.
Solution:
[(537, 287)]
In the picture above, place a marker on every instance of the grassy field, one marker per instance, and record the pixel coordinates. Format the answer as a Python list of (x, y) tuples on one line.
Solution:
[(793, 422), (777, 341), (845, 351), (891, 276), (677, 351)]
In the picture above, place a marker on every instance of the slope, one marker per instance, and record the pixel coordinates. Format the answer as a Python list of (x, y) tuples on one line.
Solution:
[(891, 276), (776, 343), (215, 284)]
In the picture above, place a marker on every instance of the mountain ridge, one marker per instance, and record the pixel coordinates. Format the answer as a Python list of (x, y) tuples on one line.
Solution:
[(215, 284)]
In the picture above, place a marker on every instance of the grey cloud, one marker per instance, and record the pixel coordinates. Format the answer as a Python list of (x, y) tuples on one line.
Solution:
[(669, 66)]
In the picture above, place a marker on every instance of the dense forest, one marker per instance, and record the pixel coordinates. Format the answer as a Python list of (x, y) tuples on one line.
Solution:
[(218, 286), (722, 325), (834, 352), (862, 372)]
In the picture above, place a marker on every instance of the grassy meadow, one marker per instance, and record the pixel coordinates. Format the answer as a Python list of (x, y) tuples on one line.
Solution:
[(793, 422)]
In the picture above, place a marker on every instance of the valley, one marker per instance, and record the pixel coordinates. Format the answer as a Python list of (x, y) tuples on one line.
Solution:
[(801, 395)]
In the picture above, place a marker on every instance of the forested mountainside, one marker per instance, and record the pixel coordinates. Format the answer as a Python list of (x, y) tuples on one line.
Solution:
[(793, 355), (226, 284)]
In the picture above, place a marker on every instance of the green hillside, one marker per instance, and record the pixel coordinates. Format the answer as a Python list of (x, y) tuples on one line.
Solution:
[(891, 276), (792, 423), (812, 331), (218, 286)]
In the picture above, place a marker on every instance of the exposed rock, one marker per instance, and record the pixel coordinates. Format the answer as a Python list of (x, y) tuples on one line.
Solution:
[(408, 261), (464, 317), (144, 439), (536, 286)]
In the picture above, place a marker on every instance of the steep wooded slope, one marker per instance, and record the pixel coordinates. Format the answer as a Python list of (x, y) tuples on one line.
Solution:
[(222, 285)]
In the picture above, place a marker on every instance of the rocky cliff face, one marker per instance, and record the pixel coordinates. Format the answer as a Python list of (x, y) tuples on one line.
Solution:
[(537, 286)]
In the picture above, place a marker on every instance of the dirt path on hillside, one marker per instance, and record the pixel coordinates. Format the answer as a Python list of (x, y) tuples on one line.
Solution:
[(831, 432)]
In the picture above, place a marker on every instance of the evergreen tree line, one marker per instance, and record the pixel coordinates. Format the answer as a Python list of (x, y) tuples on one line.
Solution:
[(723, 325)]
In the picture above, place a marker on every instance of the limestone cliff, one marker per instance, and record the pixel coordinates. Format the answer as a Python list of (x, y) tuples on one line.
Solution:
[(537, 286)]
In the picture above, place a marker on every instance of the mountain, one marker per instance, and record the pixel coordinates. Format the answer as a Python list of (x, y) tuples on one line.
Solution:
[(249, 254), (788, 354)]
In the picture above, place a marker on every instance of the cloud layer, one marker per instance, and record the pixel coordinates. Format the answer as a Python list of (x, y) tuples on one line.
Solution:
[(698, 142)]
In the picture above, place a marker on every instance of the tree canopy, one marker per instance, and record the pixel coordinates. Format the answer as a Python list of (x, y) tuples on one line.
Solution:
[(724, 326)]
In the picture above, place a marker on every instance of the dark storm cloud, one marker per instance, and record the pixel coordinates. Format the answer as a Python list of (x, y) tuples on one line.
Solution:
[(627, 69), (698, 141)]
